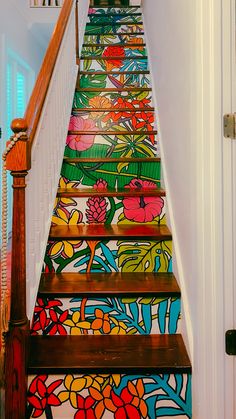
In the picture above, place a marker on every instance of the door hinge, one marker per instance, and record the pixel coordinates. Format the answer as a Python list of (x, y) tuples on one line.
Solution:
[(230, 126), (230, 342)]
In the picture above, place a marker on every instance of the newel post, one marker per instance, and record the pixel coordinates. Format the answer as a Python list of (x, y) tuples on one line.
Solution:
[(16, 342)]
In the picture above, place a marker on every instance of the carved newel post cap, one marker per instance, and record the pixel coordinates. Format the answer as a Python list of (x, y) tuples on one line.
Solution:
[(18, 125)]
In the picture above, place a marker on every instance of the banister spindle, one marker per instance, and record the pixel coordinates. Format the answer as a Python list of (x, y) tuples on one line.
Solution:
[(18, 163)]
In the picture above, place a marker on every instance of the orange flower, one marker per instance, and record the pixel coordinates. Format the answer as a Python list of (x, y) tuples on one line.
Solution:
[(138, 42), (103, 399), (101, 322), (99, 102)]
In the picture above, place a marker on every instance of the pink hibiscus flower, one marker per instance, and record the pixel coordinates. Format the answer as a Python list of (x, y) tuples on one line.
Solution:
[(141, 184), (81, 142), (142, 209)]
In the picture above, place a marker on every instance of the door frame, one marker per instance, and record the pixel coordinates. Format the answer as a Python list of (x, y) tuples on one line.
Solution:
[(213, 374)]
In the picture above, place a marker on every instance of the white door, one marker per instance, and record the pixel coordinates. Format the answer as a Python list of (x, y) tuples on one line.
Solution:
[(229, 199)]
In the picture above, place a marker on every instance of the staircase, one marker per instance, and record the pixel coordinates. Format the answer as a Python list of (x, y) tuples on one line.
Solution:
[(105, 339)]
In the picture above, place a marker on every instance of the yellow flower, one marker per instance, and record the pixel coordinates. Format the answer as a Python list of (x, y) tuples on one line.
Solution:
[(73, 386), (76, 325), (64, 217), (120, 327), (64, 248), (62, 201)]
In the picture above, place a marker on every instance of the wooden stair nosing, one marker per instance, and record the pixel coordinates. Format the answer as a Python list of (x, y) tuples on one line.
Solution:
[(115, 7), (88, 192), (103, 110), (112, 132), (115, 14), (101, 72), (114, 284), (111, 160), (110, 232), (99, 57), (113, 23), (153, 354), (115, 89), (121, 33), (117, 45)]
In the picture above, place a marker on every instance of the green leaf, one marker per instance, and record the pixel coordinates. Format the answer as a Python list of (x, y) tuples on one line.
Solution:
[(93, 80), (141, 256)]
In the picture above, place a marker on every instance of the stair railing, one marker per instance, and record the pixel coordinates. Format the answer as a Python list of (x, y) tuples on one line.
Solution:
[(34, 160)]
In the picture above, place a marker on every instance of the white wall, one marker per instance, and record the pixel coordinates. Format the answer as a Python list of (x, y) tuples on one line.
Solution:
[(184, 41), (15, 35)]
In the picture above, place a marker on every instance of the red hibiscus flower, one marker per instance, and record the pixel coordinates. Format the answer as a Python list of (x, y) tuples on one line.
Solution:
[(114, 51), (45, 397), (85, 408)]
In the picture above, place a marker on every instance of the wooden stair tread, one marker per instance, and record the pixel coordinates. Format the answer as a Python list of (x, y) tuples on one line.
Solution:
[(87, 192), (118, 45), (143, 132), (100, 72), (113, 353), (99, 57), (109, 284), (114, 14), (134, 110), (110, 231), (114, 89), (111, 159), (113, 23), (122, 33)]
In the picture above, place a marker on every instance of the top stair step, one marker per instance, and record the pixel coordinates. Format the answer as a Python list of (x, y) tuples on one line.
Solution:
[(155, 354)]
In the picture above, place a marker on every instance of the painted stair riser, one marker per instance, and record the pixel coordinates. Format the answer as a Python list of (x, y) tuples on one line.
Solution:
[(126, 51), (127, 64), (136, 99), (113, 146), (113, 38), (114, 80), (104, 29), (116, 174), (112, 121), (105, 396), (98, 209), (107, 315), (109, 19), (108, 256)]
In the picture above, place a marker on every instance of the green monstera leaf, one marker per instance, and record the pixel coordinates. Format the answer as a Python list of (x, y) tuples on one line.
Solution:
[(144, 256)]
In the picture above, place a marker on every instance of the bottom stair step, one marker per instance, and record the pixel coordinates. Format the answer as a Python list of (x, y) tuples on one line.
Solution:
[(114, 354)]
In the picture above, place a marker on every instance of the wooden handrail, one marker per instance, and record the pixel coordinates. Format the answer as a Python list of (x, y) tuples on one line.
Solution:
[(18, 160), (36, 102)]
